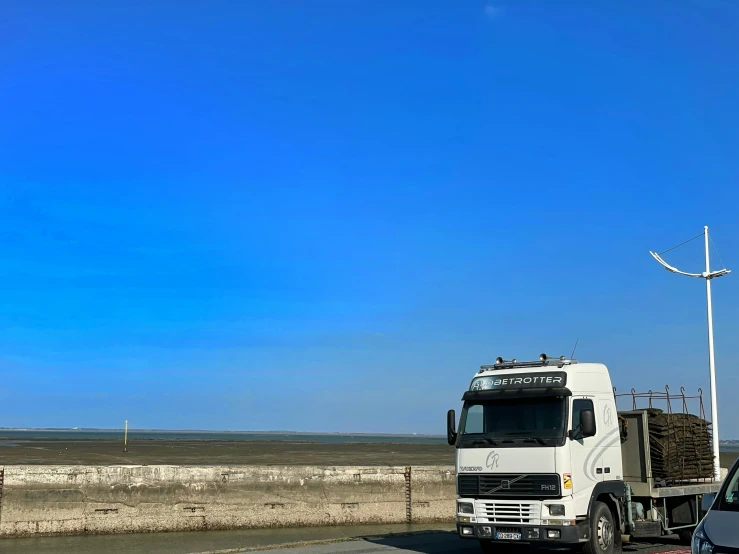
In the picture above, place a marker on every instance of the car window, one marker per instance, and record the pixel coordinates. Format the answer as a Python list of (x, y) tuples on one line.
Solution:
[(731, 495), (728, 497)]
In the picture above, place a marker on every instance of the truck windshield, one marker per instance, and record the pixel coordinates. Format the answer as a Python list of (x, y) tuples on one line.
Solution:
[(527, 418)]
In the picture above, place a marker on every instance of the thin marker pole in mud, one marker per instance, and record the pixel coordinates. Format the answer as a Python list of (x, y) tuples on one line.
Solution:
[(125, 438)]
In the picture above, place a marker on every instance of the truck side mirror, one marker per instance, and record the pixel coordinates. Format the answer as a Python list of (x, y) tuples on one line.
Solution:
[(451, 425), (587, 423), (707, 501)]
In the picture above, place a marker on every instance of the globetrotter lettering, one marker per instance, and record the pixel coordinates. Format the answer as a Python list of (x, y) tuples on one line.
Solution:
[(489, 383)]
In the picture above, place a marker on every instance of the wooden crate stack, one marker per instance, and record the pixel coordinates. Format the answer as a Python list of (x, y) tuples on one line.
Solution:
[(680, 446)]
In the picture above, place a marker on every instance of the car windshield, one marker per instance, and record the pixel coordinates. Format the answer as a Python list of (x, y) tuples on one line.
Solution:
[(730, 496), (541, 417)]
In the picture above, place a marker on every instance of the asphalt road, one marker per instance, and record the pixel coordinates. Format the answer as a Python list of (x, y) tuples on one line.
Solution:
[(438, 543), (333, 540)]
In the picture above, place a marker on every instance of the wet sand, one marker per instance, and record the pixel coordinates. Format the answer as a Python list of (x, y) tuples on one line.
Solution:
[(727, 458), (216, 452)]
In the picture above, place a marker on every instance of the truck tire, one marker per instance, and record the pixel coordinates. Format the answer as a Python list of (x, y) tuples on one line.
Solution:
[(686, 535), (604, 533)]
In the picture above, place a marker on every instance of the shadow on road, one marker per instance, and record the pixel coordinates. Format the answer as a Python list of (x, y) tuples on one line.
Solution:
[(436, 542), (433, 542), (662, 544)]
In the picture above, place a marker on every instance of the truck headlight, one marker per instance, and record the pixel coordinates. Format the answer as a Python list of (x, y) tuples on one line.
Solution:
[(556, 509), (465, 508), (700, 543)]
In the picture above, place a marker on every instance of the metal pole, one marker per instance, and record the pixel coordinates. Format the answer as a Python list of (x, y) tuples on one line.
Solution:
[(712, 367), (125, 438)]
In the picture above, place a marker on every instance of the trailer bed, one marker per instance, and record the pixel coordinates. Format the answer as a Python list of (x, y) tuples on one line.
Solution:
[(637, 463), (681, 490)]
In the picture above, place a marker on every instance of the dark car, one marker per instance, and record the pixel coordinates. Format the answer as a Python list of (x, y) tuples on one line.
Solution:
[(718, 532)]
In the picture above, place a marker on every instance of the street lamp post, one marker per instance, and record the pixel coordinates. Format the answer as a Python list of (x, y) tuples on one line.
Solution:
[(708, 275)]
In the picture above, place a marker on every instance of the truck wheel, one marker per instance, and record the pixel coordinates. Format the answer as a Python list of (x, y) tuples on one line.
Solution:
[(603, 532), (686, 535)]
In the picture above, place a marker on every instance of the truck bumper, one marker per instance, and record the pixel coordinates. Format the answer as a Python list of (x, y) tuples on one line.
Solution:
[(533, 534)]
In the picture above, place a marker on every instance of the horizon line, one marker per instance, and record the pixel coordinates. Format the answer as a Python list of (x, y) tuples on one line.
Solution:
[(274, 431)]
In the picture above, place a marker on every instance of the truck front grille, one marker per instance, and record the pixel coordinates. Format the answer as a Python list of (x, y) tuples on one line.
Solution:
[(496, 485), (508, 513), (500, 529)]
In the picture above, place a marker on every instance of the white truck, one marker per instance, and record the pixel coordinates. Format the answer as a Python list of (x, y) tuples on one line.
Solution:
[(543, 457)]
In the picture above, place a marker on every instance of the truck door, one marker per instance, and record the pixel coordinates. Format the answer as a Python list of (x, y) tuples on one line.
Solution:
[(610, 458), (584, 455)]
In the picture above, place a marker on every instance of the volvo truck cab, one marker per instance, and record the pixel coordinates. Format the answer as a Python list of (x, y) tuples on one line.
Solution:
[(538, 456)]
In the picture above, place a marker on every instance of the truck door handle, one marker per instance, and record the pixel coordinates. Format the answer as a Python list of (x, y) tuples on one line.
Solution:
[(608, 470), (599, 470)]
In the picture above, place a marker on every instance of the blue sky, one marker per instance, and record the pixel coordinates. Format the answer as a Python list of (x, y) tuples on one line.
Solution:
[(323, 216)]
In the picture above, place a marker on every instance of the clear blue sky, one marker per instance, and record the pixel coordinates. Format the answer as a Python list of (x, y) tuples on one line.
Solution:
[(323, 216)]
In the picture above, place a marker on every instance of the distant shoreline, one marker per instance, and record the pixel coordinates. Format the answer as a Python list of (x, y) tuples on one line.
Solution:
[(211, 431)]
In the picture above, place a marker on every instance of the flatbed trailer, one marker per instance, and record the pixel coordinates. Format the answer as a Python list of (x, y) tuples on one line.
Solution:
[(675, 506)]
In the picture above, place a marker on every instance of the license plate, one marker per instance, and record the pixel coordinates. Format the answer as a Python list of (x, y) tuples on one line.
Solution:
[(508, 536)]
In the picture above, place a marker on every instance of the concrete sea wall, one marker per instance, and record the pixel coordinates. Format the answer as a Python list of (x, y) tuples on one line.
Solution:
[(71, 500)]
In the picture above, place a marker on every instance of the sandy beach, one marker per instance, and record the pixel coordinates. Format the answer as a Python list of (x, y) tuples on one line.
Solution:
[(218, 452)]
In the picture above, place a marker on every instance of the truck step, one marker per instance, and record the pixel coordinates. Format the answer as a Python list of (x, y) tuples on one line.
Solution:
[(644, 529)]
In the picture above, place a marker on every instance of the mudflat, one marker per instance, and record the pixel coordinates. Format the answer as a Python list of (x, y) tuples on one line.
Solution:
[(727, 459), (237, 452), (217, 452)]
